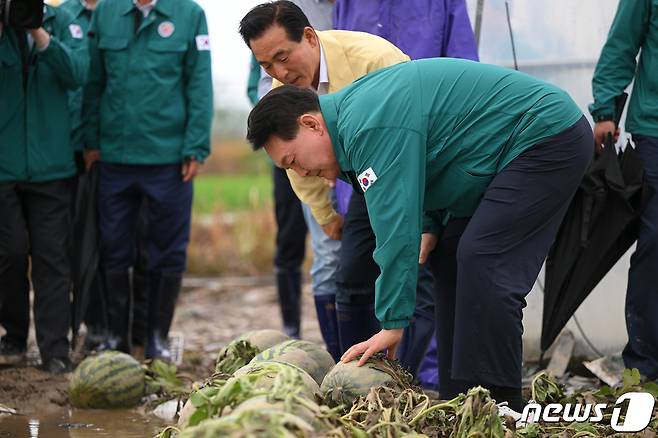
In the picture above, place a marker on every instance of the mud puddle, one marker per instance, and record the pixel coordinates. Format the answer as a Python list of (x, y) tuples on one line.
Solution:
[(76, 423)]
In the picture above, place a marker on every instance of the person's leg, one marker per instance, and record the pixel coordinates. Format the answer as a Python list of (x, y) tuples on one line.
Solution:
[(641, 352), (47, 210), (15, 289), (443, 262), (119, 199), (501, 252), (290, 249), (355, 278), (416, 339), (169, 216), (140, 277), (323, 279)]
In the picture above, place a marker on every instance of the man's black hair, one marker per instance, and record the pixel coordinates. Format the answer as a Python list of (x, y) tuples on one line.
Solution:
[(277, 114), (284, 13)]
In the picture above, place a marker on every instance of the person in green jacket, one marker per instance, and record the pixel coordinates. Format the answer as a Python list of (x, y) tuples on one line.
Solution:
[(37, 69), (435, 139), (95, 318), (635, 29), (147, 109)]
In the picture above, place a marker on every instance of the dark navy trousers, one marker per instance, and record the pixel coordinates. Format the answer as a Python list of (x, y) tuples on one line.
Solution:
[(121, 190), (486, 265), (641, 352)]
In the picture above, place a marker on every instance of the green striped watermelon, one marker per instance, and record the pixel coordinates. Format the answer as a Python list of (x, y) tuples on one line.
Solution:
[(108, 380), (306, 355)]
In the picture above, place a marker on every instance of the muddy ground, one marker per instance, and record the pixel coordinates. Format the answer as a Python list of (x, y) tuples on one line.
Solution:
[(210, 313)]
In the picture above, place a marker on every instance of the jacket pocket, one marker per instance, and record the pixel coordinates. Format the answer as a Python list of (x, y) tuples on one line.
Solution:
[(165, 56), (115, 51)]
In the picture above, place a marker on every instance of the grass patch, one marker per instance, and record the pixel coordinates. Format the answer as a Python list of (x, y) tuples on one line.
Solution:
[(231, 192)]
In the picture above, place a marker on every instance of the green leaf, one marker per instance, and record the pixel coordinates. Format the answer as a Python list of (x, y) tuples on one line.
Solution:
[(652, 388), (198, 399), (605, 391), (198, 416), (631, 378)]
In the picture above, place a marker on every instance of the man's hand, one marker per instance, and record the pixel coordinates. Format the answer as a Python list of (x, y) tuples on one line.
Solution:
[(190, 169), (601, 130), (41, 38), (428, 242), (334, 229), (90, 156), (384, 340)]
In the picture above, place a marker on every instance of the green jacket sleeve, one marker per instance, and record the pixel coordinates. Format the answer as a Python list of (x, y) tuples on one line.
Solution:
[(616, 66), (254, 78), (94, 88), (198, 93), (396, 158), (66, 55)]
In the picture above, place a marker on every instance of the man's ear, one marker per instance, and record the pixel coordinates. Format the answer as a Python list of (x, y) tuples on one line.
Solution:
[(310, 121), (311, 36)]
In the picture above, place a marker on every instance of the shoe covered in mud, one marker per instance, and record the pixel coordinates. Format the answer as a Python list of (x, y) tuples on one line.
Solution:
[(11, 354), (57, 365)]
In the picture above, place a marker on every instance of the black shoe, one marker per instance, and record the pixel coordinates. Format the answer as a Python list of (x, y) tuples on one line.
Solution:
[(10, 354), (113, 343), (57, 365), (94, 338)]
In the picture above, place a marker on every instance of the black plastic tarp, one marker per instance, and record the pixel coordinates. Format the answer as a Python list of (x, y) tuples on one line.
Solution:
[(600, 226), (86, 247)]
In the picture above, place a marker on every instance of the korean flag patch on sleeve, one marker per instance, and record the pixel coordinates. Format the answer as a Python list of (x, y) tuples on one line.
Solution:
[(367, 179), (202, 42), (76, 31)]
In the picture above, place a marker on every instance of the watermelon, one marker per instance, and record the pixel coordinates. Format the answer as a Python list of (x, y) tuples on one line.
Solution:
[(306, 355), (317, 352), (109, 380), (220, 396), (286, 373), (346, 382), (242, 349)]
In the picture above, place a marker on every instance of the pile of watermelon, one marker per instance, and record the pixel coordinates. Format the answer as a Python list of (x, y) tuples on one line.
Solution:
[(268, 385)]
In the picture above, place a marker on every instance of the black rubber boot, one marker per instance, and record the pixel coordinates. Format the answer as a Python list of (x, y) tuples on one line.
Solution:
[(325, 306), (356, 323), (164, 290), (289, 288), (140, 307), (117, 286)]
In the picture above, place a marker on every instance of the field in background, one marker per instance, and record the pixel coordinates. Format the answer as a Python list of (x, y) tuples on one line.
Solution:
[(232, 220)]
